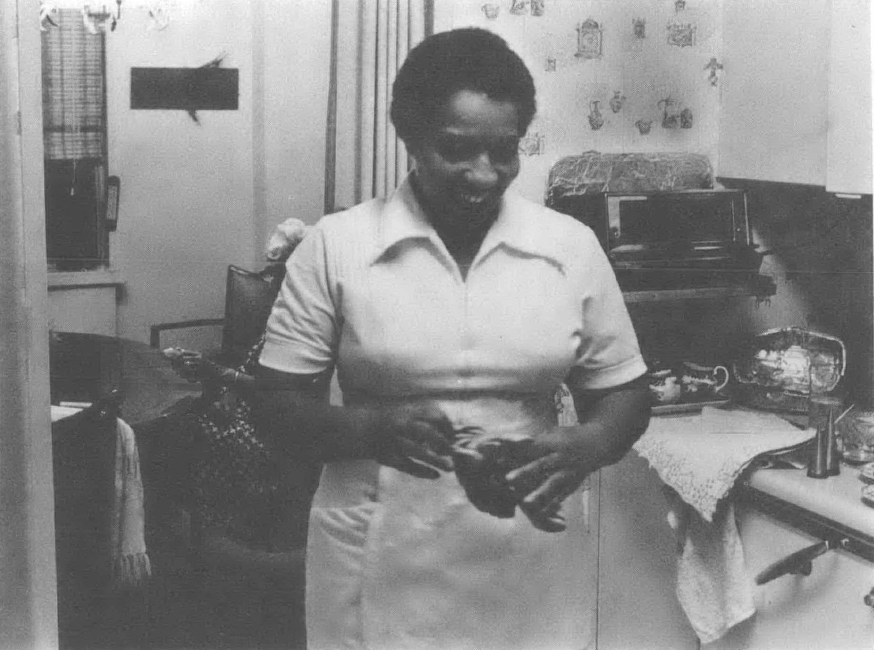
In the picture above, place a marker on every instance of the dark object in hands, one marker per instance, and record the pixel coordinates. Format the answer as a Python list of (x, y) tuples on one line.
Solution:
[(481, 468)]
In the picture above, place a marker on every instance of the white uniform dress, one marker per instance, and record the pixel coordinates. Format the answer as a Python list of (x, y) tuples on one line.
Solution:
[(399, 563)]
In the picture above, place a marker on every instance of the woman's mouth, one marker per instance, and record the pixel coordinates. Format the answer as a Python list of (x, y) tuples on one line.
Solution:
[(474, 200)]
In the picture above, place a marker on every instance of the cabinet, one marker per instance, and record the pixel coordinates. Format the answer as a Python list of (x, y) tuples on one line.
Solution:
[(637, 563), (822, 610), (795, 101), (849, 98)]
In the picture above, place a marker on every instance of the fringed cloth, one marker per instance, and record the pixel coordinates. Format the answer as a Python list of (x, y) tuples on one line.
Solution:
[(130, 562)]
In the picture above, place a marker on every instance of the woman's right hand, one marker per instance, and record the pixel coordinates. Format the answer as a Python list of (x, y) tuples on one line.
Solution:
[(415, 439)]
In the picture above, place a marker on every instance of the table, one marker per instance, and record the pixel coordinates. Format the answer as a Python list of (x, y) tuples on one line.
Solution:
[(85, 367)]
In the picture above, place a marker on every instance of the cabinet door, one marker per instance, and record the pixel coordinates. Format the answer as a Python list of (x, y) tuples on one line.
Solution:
[(772, 124), (637, 564), (849, 106), (794, 612)]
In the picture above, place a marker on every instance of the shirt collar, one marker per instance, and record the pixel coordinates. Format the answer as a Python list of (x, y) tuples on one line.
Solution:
[(517, 226)]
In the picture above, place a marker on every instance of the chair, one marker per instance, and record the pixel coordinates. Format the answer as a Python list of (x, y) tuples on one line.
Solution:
[(249, 297), (83, 454)]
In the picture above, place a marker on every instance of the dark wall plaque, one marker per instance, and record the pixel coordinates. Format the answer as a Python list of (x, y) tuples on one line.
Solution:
[(188, 89)]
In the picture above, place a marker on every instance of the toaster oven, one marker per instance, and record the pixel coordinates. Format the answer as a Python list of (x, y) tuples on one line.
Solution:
[(670, 239)]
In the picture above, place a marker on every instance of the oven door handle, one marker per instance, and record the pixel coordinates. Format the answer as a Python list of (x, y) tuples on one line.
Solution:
[(799, 562)]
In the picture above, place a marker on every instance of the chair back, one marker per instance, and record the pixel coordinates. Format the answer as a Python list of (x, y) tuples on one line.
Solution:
[(249, 298), (83, 451)]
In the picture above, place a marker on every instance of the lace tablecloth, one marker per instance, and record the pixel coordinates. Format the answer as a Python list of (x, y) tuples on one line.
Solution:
[(701, 456)]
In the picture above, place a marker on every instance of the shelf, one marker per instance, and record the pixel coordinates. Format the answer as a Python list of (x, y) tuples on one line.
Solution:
[(104, 277), (761, 287)]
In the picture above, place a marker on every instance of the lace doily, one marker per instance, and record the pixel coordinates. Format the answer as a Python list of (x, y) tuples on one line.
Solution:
[(701, 456)]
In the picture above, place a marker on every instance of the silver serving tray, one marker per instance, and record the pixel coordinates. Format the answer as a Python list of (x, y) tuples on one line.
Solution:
[(776, 368)]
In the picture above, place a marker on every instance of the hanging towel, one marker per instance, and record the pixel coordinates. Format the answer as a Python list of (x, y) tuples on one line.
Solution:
[(130, 562), (699, 458)]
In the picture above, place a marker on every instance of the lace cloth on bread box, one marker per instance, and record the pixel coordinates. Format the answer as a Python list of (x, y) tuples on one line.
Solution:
[(595, 173)]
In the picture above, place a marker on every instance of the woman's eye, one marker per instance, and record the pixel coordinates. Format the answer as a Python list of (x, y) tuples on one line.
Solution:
[(504, 152), (457, 150)]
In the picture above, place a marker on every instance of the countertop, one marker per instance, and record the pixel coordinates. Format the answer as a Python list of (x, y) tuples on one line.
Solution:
[(827, 509), (837, 497)]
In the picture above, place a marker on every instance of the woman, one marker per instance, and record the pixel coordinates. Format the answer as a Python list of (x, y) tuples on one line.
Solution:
[(248, 508), (452, 311)]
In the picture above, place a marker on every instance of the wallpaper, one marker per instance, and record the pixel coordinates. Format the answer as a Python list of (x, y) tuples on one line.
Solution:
[(611, 76)]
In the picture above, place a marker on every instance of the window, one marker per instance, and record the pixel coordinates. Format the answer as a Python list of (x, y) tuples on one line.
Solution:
[(74, 136)]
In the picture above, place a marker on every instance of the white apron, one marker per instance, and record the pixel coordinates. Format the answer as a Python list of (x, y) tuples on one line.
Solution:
[(400, 563)]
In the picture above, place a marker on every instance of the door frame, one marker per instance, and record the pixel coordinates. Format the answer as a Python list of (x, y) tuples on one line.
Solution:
[(28, 593)]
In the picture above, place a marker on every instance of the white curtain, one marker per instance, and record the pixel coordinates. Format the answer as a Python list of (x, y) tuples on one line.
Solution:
[(370, 40)]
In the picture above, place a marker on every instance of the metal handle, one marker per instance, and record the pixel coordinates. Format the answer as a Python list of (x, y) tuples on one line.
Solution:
[(799, 562)]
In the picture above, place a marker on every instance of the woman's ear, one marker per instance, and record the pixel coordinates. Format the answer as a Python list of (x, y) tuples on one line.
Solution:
[(413, 149)]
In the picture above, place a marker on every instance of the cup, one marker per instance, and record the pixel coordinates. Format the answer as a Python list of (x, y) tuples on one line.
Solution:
[(703, 382), (664, 387), (856, 436)]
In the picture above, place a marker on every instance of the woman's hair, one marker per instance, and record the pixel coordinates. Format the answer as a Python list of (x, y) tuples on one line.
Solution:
[(448, 62)]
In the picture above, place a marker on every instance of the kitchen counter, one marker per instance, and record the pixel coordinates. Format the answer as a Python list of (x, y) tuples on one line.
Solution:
[(819, 507)]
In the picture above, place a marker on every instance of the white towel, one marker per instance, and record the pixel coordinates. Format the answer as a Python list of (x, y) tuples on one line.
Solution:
[(130, 562), (699, 458)]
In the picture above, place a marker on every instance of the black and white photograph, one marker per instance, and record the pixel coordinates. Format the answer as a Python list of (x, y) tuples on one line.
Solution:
[(436, 325)]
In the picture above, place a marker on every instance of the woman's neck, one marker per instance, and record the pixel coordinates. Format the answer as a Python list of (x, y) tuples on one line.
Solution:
[(461, 235)]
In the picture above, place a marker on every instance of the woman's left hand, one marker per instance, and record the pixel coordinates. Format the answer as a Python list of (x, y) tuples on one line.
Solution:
[(610, 422), (566, 456)]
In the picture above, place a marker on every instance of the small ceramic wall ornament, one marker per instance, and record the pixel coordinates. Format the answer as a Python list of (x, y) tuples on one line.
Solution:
[(538, 7), (519, 7), (639, 28), (48, 15), (670, 119), (596, 120), (589, 39), (533, 144), (617, 101), (681, 34), (686, 118), (491, 10), (715, 68), (551, 64), (644, 126), (159, 15)]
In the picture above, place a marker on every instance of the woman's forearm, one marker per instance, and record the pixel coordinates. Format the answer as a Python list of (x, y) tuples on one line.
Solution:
[(301, 423), (294, 412), (613, 420)]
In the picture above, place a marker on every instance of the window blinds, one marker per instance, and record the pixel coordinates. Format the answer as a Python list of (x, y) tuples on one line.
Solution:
[(74, 95)]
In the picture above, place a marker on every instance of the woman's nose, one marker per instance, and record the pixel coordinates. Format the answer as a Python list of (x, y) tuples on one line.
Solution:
[(482, 171)]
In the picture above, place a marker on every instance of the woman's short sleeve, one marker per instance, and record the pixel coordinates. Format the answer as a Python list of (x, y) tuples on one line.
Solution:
[(609, 353), (302, 331)]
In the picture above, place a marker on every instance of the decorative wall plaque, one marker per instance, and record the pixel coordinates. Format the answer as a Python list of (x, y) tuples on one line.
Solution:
[(681, 34), (491, 10), (519, 7), (533, 144), (715, 68), (589, 36)]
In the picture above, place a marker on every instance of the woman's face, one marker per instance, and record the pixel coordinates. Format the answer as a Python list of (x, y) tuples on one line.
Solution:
[(470, 158)]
